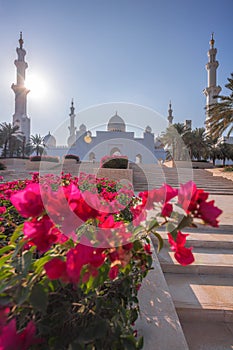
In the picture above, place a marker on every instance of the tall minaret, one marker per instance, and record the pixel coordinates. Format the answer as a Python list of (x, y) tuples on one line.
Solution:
[(212, 89), (170, 116), (72, 128), (20, 117)]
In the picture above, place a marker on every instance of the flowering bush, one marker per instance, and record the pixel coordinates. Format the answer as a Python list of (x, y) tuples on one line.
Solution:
[(74, 252), (116, 162)]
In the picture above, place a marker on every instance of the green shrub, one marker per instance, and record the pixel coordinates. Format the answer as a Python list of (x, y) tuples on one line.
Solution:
[(2, 166), (228, 169), (72, 156), (44, 159)]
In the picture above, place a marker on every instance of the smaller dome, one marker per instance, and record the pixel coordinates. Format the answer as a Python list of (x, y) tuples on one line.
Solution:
[(148, 129), (82, 128), (50, 140), (116, 123)]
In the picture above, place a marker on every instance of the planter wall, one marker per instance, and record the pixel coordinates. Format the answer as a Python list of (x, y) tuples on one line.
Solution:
[(158, 321)]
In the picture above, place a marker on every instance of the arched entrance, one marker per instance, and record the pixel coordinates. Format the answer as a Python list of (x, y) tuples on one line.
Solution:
[(115, 151), (138, 159), (92, 157)]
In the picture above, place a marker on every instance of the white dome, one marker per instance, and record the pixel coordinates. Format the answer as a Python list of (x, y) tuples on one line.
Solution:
[(50, 140), (116, 123), (148, 129), (82, 128)]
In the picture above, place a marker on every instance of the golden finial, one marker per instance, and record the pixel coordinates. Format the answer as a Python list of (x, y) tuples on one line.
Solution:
[(21, 40), (212, 41)]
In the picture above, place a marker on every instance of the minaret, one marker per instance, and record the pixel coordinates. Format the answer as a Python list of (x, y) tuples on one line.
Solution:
[(212, 89), (72, 128), (170, 116), (20, 117)]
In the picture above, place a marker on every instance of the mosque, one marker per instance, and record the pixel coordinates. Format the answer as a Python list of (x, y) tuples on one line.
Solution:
[(116, 139)]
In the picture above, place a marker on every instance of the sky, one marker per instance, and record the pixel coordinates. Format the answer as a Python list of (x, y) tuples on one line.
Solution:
[(111, 55)]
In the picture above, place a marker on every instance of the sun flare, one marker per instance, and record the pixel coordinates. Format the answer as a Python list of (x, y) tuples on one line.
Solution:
[(37, 86)]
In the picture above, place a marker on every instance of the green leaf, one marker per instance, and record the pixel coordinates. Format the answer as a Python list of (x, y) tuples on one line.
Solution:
[(39, 298), (129, 342), (26, 261), (5, 300), (16, 234), (160, 240), (170, 227), (185, 222), (22, 294), (140, 343), (39, 263), (3, 259), (5, 249), (153, 223)]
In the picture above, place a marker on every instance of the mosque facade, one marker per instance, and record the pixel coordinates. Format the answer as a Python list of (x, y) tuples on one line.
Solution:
[(116, 140)]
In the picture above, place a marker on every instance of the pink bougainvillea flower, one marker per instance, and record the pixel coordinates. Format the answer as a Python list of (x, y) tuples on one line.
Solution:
[(189, 197), (55, 268), (139, 214), (10, 339), (147, 248), (167, 209), (3, 315), (28, 202), (83, 254), (209, 213), (2, 210), (193, 201), (183, 255), (42, 233), (113, 272), (163, 195)]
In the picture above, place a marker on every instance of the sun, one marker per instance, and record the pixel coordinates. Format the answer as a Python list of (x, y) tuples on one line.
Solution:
[(37, 86)]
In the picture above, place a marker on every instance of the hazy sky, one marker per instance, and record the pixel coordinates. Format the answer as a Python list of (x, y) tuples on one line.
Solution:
[(100, 51)]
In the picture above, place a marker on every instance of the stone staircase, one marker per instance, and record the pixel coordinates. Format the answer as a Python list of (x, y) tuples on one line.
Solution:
[(203, 292), (148, 176)]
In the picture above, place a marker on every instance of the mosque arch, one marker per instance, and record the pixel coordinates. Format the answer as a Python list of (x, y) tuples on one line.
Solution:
[(92, 156), (115, 151), (138, 159)]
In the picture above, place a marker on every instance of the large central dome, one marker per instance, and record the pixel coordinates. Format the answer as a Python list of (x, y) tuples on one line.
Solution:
[(116, 123)]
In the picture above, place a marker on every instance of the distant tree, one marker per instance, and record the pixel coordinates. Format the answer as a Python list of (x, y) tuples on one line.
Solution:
[(221, 113), (197, 143), (173, 141), (8, 138), (36, 144), (224, 152)]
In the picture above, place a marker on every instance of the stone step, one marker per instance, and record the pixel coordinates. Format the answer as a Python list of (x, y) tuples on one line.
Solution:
[(218, 239), (210, 261), (202, 297), (211, 335)]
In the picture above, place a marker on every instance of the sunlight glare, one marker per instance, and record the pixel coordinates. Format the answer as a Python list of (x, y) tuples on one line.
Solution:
[(37, 86)]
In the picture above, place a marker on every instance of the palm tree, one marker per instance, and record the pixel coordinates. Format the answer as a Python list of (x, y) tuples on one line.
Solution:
[(221, 113), (172, 139), (225, 151), (7, 138), (37, 144), (197, 143)]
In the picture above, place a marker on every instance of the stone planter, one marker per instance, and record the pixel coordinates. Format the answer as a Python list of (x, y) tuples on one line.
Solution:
[(158, 321), (42, 165)]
